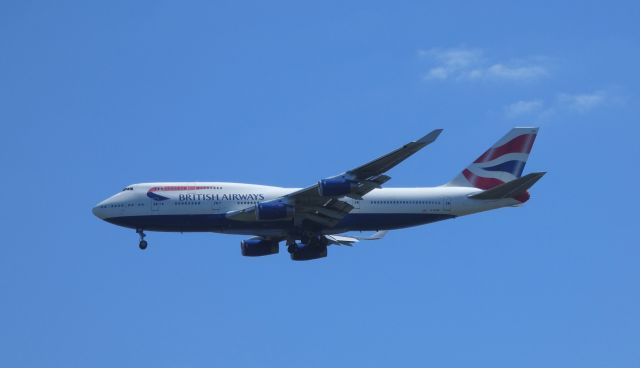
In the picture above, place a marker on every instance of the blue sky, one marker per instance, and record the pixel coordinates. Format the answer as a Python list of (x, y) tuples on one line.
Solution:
[(98, 95)]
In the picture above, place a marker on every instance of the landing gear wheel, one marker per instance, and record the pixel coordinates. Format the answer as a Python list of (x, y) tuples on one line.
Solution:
[(291, 245), (143, 243)]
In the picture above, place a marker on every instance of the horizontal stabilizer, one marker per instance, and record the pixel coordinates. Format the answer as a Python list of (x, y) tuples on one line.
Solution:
[(376, 236), (510, 189), (350, 240)]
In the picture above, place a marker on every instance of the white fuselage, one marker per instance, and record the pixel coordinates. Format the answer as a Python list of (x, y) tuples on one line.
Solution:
[(201, 206)]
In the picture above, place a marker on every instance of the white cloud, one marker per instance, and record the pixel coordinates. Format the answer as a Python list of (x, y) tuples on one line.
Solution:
[(437, 73), (454, 58), (564, 103), (529, 72), (523, 108), (582, 102), (450, 63), (471, 64)]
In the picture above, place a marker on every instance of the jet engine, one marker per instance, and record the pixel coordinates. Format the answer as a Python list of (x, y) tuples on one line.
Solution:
[(302, 252), (334, 187), (256, 247), (273, 211)]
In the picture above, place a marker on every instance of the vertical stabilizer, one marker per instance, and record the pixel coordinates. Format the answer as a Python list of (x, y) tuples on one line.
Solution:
[(501, 163)]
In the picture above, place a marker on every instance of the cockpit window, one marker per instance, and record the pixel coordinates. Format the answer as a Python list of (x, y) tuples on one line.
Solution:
[(127, 188)]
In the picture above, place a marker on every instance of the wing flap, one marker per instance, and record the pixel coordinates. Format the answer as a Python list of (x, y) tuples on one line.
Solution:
[(328, 214), (368, 185), (317, 218)]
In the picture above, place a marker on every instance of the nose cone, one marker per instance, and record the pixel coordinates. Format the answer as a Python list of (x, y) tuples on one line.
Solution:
[(99, 211)]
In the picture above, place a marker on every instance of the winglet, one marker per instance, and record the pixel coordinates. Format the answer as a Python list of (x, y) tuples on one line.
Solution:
[(430, 137)]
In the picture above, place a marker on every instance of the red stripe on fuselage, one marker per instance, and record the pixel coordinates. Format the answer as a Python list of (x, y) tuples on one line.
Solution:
[(519, 144), (178, 188)]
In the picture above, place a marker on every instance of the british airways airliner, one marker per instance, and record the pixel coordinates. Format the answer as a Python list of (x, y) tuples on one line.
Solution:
[(312, 218)]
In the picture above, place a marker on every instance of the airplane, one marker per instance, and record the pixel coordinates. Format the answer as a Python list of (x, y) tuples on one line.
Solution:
[(312, 218)]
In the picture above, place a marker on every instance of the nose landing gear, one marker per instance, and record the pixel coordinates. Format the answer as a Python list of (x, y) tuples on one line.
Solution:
[(143, 243)]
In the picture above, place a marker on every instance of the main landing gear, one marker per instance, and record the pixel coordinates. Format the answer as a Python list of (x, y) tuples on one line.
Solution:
[(143, 243), (291, 246)]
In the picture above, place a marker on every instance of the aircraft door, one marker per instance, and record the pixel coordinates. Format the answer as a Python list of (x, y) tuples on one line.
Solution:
[(446, 204), (216, 206), (424, 204), (155, 206)]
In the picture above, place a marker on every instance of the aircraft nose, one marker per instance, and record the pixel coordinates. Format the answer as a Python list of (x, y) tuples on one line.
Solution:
[(99, 210)]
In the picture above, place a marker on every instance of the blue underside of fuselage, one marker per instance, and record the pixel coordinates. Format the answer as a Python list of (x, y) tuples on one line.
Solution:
[(219, 223)]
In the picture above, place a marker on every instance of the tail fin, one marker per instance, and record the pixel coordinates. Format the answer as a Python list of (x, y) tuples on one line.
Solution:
[(502, 163)]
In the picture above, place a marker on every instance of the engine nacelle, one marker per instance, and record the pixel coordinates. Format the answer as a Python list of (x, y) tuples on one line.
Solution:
[(256, 247), (273, 211), (334, 187), (302, 252)]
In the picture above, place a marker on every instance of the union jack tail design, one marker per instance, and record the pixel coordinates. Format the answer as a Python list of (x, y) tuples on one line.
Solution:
[(501, 163)]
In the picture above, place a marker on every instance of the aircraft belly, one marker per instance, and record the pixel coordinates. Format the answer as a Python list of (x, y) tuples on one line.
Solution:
[(219, 223)]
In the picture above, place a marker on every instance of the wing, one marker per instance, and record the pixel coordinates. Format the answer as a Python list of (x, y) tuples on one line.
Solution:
[(321, 203)]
